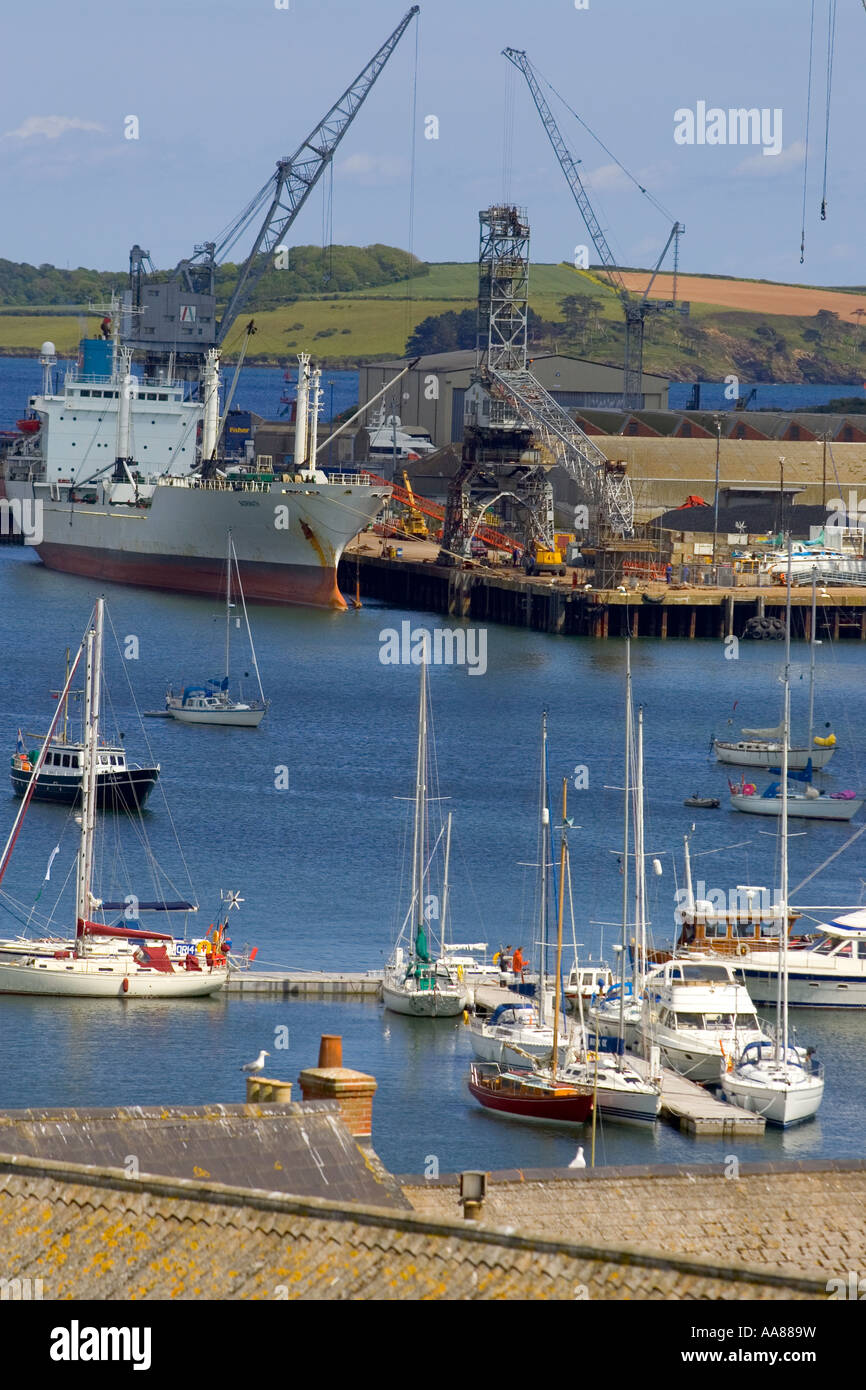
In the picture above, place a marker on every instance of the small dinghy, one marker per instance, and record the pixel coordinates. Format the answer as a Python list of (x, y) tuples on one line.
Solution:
[(702, 803)]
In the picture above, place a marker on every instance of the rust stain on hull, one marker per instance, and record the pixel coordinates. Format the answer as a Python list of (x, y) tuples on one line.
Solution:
[(326, 563)]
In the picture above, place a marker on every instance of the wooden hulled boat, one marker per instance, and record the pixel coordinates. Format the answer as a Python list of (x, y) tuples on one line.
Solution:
[(529, 1095)]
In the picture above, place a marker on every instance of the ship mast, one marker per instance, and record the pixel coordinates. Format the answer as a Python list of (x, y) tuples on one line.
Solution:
[(228, 602), (92, 688)]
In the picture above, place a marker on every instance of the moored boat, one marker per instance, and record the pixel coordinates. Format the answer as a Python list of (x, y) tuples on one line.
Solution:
[(529, 1095), (416, 981), (108, 959), (212, 704)]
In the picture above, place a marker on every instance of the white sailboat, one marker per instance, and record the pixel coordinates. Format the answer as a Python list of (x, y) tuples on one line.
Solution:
[(104, 960), (211, 703), (520, 1028), (417, 982), (775, 1079), (616, 1014), (762, 748), (621, 1093)]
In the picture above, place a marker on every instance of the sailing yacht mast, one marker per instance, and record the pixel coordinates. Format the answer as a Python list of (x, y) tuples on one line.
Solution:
[(92, 688), (782, 1021), (812, 645), (234, 554), (625, 840), (545, 831), (563, 851), (639, 870), (420, 807), (445, 886), (228, 602)]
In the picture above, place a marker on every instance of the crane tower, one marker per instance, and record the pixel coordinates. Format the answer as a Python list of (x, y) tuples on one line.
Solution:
[(515, 432)]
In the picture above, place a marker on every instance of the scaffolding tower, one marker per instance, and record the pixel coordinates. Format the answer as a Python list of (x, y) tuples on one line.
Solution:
[(515, 431)]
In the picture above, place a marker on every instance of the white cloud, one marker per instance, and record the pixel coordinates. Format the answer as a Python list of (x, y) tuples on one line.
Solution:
[(50, 127), (790, 158), (609, 178), (373, 168)]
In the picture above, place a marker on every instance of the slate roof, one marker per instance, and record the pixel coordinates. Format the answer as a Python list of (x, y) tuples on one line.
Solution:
[(91, 1233), (304, 1149)]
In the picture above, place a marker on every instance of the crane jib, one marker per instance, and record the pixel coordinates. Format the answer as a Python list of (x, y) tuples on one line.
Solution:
[(296, 177)]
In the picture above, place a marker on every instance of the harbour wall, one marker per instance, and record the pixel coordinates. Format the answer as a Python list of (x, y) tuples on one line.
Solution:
[(506, 596)]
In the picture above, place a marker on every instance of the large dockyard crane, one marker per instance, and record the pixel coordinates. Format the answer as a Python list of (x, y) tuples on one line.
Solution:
[(515, 431), (635, 310), (176, 319)]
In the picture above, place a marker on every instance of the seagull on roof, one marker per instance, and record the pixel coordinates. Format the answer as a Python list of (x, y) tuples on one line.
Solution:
[(258, 1064), (578, 1161)]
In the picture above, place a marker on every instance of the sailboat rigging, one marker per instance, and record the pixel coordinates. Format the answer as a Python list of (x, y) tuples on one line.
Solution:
[(104, 960), (424, 984), (211, 703)]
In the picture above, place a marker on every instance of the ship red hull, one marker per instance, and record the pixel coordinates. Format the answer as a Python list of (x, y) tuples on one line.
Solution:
[(309, 585), (571, 1109)]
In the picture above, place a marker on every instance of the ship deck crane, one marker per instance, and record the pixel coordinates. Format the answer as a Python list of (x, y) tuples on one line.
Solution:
[(294, 179), (635, 310), (186, 302)]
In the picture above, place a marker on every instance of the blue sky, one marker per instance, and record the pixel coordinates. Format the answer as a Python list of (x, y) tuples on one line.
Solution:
[(222, 88)]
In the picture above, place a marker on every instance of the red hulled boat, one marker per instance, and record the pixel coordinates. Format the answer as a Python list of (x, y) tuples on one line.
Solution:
[(529, 1095)]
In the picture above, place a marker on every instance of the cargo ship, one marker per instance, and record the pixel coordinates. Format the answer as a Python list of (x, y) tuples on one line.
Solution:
[(118, 478)]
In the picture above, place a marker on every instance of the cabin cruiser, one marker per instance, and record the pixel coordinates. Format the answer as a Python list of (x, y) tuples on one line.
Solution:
[(698, 1015)]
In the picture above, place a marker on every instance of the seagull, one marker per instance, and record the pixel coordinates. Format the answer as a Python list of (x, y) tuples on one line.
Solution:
[(258, 1065), (578, 1161)]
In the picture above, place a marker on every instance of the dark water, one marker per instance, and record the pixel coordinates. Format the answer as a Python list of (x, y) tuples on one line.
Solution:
[(770, 395), (317, 864), (259, 389)]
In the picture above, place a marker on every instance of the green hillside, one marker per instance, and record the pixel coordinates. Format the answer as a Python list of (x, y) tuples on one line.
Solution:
[(346, 304)]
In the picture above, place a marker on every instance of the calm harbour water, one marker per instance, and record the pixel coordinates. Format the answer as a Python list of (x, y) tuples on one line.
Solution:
[(318, 863)]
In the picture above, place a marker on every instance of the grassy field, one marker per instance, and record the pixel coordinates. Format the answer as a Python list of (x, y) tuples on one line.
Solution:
[(733, 325)]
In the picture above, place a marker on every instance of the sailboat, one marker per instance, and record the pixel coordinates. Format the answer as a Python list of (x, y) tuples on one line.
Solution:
[(104, 960), (616, 1013), (621, 1093), (416, 981), (544, 1091), (211, 703), (121, 785), (518, 1028), (762, 747), (773, 1078)]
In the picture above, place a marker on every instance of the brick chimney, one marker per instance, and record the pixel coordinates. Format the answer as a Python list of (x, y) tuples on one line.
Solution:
[(352, 1090)]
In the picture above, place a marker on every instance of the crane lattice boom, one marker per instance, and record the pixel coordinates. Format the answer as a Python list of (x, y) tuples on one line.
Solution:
[(295, 177)]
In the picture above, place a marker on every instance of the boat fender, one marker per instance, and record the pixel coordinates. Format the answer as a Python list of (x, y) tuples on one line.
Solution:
[(742, 949), (125, 985)]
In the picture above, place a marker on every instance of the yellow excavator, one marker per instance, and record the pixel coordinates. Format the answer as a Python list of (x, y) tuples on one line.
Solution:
[(414, 522)]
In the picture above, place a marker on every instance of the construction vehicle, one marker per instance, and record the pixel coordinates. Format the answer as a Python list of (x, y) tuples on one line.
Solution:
[(538, 559), (414, 522)]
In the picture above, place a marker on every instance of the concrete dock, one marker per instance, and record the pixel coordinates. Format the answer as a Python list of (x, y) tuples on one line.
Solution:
[(306, 984), (694, 1110)]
